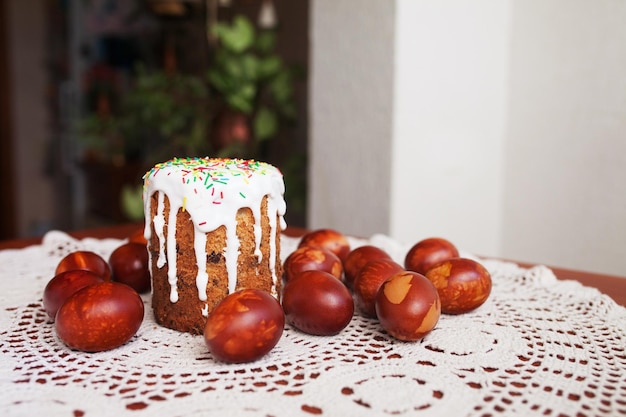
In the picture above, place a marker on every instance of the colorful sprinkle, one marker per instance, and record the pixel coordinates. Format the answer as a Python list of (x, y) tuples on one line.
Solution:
[(211, 172)]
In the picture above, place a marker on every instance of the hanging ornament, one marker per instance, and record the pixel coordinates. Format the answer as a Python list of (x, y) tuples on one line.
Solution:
[(267, 15)]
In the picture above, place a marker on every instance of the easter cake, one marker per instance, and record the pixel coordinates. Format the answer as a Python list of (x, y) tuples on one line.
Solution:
[(213, 227)]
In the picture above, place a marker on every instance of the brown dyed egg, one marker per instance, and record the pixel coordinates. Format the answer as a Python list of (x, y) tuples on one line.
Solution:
[(368, 282), (244, 326), (357, 258), (428, 252), (463, 284), (408, 306), (129, 265), (330, 239), (63, 285), (86, 260), (317, 303), (308, 258), (99, 317), (138, 237)]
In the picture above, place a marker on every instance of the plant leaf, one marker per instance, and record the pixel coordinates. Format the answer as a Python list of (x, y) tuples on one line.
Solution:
[(265, 42), (265, 124), (239, 102), (239, 36), (282, 87), (250, 66), (268, 67), (131, 202)]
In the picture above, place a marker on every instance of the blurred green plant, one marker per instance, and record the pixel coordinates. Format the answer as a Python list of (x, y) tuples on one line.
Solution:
[(170, 113), (251, 78), (162, 115), (131, 201), (166, 113)]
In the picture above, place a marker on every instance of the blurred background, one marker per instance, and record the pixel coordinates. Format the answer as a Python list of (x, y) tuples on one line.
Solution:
[(101, 90), (500, 125)]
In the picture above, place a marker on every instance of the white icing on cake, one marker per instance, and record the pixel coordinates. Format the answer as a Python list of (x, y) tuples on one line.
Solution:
[(212, 191)]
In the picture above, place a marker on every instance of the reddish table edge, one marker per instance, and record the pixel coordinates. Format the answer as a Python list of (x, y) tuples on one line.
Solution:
[(611, 285)]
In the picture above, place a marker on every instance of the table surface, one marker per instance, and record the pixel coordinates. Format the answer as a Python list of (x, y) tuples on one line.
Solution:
[(542, 345), (611, 285)]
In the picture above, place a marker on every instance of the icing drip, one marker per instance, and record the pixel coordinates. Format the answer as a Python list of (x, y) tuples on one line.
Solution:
[(232, 252), (256, 213), (199, 242), (171, 253), (213, 191), (159, 224)]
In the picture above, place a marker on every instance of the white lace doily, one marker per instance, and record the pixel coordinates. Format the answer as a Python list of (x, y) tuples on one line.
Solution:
[(538, 346)]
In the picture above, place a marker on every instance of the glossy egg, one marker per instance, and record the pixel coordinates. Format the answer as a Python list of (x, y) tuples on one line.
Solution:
[(138, 237), (463, 284), (244, 326), (425, 253), (100, 317), (129, 265), (357, 258), (63, 285), (308, 258), (317, 303), (86, 260), (408, 306), (330, 239), (369, 280)]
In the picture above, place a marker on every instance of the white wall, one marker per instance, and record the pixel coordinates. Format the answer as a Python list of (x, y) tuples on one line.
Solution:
[(507, 133), (449, 122), (351, 73), (565, 200)]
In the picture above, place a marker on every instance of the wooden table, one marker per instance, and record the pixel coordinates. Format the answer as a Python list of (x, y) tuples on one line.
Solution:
[(613, 286)]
